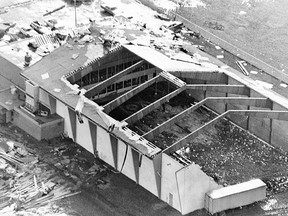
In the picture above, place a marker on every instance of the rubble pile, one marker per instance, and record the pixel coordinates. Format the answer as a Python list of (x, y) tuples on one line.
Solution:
[(27, 183), (276, 185), (114, 26), (76, 163), (231, 155), (61, 169)]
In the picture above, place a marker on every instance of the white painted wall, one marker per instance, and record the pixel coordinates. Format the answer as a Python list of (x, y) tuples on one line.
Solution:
[(193, 183), (128, 168), (169, 182), (104, 146), (147, 175), (62, 110), (83, 136)]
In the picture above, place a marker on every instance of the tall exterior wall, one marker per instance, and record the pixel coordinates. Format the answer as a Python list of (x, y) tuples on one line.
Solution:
[(127, 161), (240, 120), (83, 135), (104, 146), (169, 182), (141, 169), (193, 184), (279, 135), (149, 176), (63, 111), (259, 126)]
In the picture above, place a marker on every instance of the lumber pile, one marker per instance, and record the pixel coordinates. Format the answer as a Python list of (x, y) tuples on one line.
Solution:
[(26, 183)]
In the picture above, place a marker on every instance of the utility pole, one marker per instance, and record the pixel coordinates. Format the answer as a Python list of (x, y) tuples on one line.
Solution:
[(75, 13)]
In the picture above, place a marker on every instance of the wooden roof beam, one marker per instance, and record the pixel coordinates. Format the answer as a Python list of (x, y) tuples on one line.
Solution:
[(257, 102), (231, 89), (104, 84), (123, 98), (141, 113)]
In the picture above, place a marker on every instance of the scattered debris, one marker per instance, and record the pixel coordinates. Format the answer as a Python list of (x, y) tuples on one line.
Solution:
[(57, 9), (217, 47), (176, 26), (284, 85), (214, 25), (254, 72), (108, 10), (76, 55), (162, 17), (25, 185), (242, 68)]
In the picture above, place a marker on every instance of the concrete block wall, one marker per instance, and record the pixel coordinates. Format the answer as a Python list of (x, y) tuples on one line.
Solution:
[(48, 130), (279, 134), (240, 120), (259, 126), (52, 129), (26, 123), (217, 107)]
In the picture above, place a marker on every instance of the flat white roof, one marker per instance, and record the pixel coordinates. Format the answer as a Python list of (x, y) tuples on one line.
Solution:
[(162, 61), (238, 188)]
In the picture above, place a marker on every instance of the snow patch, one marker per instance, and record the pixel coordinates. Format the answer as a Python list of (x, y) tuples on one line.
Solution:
[(269, 204), (173, 4)]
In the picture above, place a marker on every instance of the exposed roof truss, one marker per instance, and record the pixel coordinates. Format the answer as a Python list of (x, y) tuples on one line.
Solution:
[(123, 98), (270, 114), (100, 86), (141, 113), (257, 102)]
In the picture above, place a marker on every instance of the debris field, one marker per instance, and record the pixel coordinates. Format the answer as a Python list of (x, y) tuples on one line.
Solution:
[(39, 175)]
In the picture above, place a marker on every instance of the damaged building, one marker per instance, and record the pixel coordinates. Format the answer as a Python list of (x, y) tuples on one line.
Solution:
[(144, 114)]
